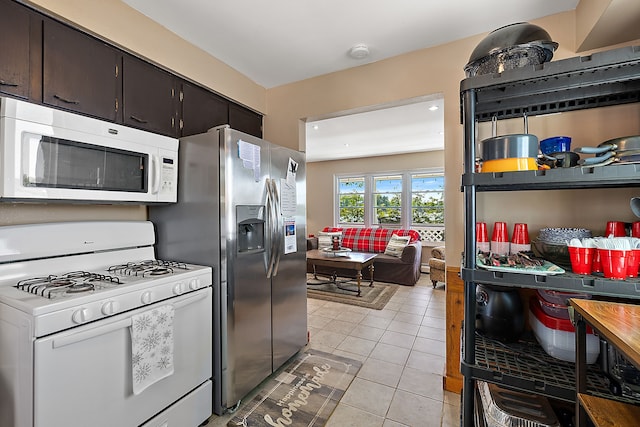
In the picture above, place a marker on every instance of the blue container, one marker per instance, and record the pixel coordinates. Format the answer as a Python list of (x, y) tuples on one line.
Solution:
[(555, 144)]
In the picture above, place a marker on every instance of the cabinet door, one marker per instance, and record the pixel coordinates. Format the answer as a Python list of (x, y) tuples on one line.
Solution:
[(245, 120), (149, 97), (81, 73), (15, 31), (201, 110)]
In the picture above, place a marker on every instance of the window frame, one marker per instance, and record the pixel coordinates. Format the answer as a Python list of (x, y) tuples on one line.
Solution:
[(369, 199)]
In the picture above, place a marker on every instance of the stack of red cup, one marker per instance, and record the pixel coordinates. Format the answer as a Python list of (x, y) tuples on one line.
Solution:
[(500, 238), (581, 259), (482, 237), (614, 263), (615, 229), (520, 240)]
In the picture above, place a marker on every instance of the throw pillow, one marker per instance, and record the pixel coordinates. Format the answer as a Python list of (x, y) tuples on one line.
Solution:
[(396, 245), (325, 238)]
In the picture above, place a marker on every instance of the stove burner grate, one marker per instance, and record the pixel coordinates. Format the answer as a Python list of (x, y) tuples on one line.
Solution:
[(73, 282), (147, 268)]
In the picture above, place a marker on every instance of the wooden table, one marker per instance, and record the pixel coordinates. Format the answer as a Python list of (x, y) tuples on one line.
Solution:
[(350, 261), (619, 325)]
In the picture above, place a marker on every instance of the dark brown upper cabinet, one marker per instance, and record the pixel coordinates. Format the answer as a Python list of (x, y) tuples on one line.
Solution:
[(245, 120), (18, 29), (80, 73), (201, 110), (150, 100)]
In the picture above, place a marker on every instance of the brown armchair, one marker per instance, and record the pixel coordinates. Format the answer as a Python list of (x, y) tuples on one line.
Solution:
[(437, 265)]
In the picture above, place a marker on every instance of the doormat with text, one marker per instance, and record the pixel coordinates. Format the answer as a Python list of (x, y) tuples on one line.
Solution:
[(302, 394)]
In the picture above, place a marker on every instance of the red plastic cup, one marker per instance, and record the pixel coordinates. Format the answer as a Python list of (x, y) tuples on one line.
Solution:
[(614, 263), (481, 232), (615, 229), (633, 262), (500, 232), (482, 237), (500, 238), (520, 234), (596, 266), (581, 259), (635, 229)]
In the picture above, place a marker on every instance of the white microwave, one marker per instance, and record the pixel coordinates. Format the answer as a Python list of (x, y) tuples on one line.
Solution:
[(53, 155)]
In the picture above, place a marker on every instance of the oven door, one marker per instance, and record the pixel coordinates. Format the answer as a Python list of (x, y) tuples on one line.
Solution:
[(83, 376)]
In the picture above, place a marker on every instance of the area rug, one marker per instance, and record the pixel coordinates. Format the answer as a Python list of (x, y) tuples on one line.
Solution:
[(375, 297), (304, 393)]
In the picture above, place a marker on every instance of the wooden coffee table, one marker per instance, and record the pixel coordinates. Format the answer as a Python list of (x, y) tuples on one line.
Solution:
[(346, 260)]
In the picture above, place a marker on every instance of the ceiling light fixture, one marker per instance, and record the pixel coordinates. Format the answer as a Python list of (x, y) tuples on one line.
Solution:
[(433, 108), (359, 51)]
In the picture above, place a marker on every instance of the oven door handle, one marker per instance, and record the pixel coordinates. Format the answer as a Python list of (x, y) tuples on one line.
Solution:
[(124, 323), (189, 300), (91, 333)]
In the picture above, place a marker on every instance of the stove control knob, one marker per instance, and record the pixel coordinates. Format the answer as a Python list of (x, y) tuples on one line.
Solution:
[(81, 316), (110, 307), (194, 284), (178, 288), (146, 298)]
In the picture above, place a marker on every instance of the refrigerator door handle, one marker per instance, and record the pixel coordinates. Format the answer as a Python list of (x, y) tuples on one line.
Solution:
[(270, 227), (277, 230)]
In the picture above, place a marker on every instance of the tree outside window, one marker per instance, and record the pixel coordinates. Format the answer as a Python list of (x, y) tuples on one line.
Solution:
[(387, 200), (427, 199), (351, 193)]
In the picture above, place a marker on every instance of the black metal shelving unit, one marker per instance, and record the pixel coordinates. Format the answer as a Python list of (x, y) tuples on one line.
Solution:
[(598, 80)]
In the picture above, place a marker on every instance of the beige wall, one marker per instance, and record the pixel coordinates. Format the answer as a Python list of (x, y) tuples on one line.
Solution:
[(320, 195), (440, 70)]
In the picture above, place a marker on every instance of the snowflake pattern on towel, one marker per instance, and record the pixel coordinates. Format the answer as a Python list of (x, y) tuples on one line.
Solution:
[(151, 346)]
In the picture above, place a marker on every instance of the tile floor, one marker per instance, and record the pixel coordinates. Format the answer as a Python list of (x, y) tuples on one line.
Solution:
[(402, 348)]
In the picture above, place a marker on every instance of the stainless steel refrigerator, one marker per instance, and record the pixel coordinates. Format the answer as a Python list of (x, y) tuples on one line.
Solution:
[(241, 210)]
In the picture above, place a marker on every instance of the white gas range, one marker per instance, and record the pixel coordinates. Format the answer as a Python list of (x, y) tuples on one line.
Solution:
[(82, 305)]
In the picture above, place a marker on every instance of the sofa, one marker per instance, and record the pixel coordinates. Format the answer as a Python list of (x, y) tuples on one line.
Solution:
[(402, 270)]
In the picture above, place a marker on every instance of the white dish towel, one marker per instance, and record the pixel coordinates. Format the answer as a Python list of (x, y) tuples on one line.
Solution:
[(151, 346)]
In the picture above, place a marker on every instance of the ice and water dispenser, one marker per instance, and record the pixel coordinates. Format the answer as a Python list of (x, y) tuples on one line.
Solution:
[(250, 228)]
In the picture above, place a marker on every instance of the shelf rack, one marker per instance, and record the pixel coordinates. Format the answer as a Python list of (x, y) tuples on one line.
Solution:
[(598, 80)]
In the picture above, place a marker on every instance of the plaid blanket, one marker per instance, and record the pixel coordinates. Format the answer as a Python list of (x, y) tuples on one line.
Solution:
[(371, 239)]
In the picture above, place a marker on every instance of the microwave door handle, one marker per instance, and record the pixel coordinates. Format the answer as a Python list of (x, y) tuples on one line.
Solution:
[(155, 174)]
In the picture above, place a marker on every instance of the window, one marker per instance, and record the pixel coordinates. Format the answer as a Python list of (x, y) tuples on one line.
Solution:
[(394, 200), (427, 199), (351, 194), (387, 196)]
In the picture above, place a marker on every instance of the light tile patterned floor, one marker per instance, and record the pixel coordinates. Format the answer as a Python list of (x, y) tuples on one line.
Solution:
[(402, 348)]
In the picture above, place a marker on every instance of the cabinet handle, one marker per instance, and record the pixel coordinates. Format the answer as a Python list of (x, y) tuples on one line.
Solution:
[(68, 101), (137, 119), (5, 83)]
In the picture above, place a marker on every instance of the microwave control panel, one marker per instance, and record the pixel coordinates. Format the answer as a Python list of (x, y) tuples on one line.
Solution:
[(168, 176)]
